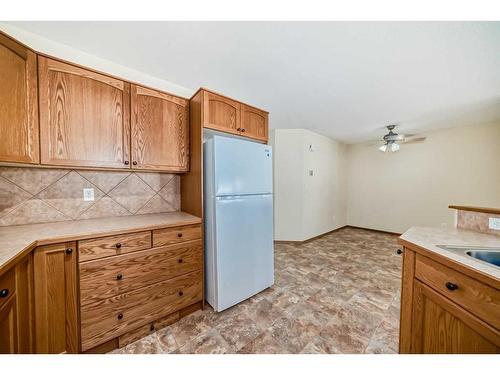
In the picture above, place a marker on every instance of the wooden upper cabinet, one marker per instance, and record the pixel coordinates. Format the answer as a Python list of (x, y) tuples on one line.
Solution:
[(56, 299), (18, 103), (221, 113), (160, 130), (254, 122), (84, 117)]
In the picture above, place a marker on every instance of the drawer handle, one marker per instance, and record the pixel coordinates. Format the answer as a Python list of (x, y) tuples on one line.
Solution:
[(119, 276), (69, 251), (152, 327), (451, 286), (179, 235), (118, 245), (120, 316), (181, 293), (4, 293), (180, 260), (399, 251)]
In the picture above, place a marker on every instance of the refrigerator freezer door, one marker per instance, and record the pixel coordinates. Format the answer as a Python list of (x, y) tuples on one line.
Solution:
[(244, 248), (242, 167)]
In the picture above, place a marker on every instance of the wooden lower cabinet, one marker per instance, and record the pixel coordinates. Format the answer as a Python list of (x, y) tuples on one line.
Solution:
[(8, 325), (437, 316), (442, 327), (56, 299), (16, 308)]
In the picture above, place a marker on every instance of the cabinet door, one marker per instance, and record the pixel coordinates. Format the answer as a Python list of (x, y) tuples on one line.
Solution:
[(441, 327), (254, 123), (8, 326), (18, 103), (160, 130), (56, 303), (8, 313), (25, 305), (220, 113), (84, 117)]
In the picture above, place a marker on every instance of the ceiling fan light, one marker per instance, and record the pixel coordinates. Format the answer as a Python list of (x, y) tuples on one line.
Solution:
[(383, 148), (394, 147)]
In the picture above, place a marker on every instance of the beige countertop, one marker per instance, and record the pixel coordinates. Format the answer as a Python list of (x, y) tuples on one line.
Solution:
[(16, 241), (429, 238)]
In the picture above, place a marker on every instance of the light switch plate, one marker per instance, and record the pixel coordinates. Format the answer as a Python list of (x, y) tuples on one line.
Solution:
[(494, 223), (88, 194)]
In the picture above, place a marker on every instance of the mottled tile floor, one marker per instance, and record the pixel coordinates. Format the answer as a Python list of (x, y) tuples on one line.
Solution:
[(336, 294)]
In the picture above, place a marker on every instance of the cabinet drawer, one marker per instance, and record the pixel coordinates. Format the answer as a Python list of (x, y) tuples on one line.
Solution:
[(104, 278), (7, 286), (476, 297), (110, 318), (96, 248), (168, 236)]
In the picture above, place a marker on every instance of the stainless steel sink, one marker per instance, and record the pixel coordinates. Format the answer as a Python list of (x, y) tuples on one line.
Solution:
[(489, 255)]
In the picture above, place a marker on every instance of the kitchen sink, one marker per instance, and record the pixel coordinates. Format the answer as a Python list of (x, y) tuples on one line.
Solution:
[(489, 255)]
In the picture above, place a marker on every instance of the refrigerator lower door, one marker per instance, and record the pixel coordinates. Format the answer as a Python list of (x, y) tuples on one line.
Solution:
[(244, 247)]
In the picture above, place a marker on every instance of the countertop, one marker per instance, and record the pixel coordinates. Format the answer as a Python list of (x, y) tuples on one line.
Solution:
[(16, 241), (429, 237)]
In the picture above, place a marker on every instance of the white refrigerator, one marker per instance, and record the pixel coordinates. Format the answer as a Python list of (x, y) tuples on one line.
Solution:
[(238, 195)]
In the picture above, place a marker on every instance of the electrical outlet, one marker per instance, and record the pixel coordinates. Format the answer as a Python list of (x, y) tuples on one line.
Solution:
[(494, 223), (88, 194)]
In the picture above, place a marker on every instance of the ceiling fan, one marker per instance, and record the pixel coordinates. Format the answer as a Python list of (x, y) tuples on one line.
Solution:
[(392, 140)]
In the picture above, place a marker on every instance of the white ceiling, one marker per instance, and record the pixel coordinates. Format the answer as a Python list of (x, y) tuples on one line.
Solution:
[(342, 79)]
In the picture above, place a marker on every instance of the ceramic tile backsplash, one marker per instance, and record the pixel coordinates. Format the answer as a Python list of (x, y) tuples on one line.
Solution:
[(36, 195), (477, 221)]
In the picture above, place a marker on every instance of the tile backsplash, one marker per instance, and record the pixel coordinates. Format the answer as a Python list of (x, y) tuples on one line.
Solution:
[(476, 221), (39, 195)]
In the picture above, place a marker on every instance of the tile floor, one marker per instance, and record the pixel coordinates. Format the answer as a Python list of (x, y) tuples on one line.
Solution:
[(336, 294)]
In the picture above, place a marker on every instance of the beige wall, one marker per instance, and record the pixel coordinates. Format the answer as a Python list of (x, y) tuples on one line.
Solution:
[(306, 206), (415, 185)]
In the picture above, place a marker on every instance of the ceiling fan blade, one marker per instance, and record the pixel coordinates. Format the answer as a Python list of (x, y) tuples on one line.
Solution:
[(375, 143), (413, 140)]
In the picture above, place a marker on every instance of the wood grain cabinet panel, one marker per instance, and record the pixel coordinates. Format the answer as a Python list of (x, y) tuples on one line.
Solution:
[(16, 308), (474, 296), (169, 236), (160, 130), (18, 103), (96, 248), (106, 319), (84, 117), (8, 314), (441, 327), (254, 123), (105, 278), (221, 113), (56, 298)]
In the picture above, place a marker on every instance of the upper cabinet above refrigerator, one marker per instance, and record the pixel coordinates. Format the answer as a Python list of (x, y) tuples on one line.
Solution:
[(231, 116)]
